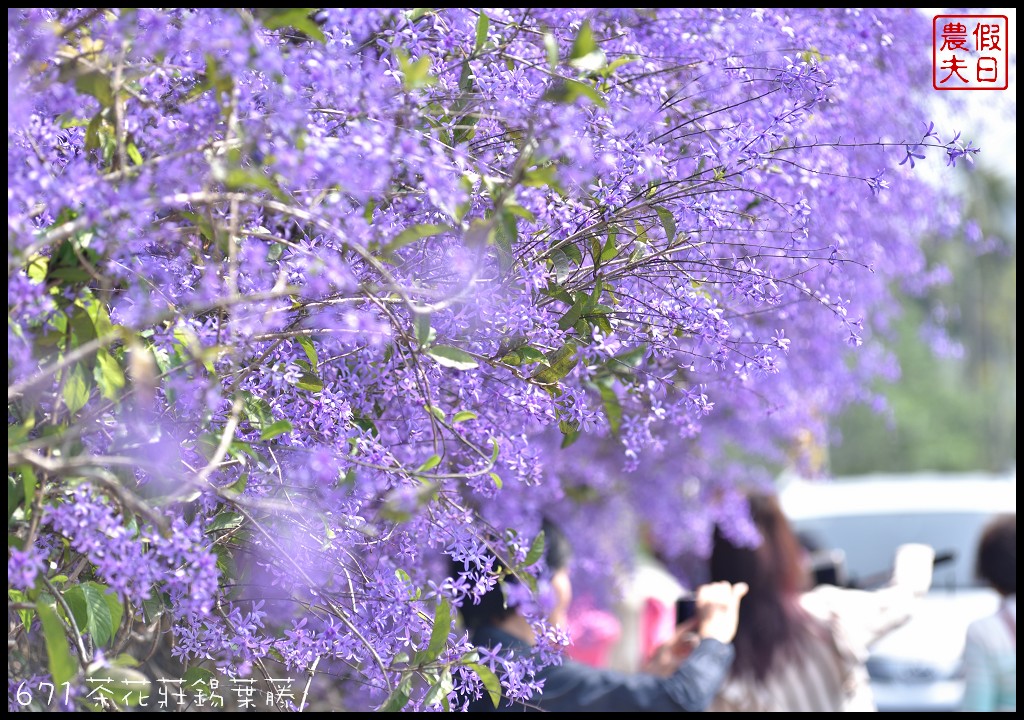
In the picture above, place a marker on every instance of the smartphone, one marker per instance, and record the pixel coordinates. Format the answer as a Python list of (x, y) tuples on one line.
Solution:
[(686, 609)]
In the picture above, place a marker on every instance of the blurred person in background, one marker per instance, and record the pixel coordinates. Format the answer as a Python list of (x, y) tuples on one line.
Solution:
[(646, 609), (798, 648), (990, 650)]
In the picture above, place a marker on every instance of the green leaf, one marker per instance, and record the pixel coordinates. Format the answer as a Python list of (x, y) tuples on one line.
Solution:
[(64, 258), (79, 604), (575, 312), (26, 615), (82, 325), (431, 462), (225, 521), (98, 314), (29, 484), (125, 660), (254, 179), (298, 18), (479, 234), (452, 357), (439, 691), (197, 679), (573, 253), (592, 63), (15, 496), (598, 315), (668, 222), (414, 233), (276, 428), (561, 264), (551, 48), (630, 358), (584, 44), (518, 210), (560, 363), (366, 424), (97, 84), (92, 131), (536, 550), (641, 236), (482, 26), (257, 411), (617, 63), (309, 381), (109, 375), (531, 355), (436, 412), (114, 605), (154, 607), (489, 680), (91, 612), (463, 416), (399, 698), (239, 485), (310, 350), (416, 74), (133, 153), (18, 433), (612, 406), (497, 480), (62, 666), (610, 249), (541, 176), (439, 633), (416, 13), (76, 391), (568, 92), (507, 233), (421, 321), (275, 252)]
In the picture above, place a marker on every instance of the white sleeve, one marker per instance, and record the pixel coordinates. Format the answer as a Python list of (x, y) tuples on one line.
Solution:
[(867, 615), (864, 616)]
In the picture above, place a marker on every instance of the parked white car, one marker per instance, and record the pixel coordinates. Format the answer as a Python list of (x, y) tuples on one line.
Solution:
[(861, 521)]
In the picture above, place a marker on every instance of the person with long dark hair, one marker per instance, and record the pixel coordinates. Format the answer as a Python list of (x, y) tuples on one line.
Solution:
[(799, 649)]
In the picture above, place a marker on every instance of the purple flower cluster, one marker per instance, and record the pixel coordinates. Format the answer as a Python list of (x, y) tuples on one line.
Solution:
[(138, 562), (358, 291), (23, 566)]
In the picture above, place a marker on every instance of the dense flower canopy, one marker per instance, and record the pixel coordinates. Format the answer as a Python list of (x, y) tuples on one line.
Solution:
[(302, 302)]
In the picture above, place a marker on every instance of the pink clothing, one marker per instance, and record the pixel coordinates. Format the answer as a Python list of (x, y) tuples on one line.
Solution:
[(657, 626), (593, 634)]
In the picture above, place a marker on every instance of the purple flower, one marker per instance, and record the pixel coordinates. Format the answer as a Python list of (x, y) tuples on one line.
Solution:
[(23, 567), (911, 154), (349, 296)]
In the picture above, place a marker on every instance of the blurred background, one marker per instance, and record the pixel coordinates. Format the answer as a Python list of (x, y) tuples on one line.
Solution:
[(940, 461), (956, 409)]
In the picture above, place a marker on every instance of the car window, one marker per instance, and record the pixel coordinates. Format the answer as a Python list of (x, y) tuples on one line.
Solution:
[(869, 543)]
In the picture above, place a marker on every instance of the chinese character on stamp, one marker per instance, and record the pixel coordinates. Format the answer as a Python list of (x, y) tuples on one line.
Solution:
[(970, 52)]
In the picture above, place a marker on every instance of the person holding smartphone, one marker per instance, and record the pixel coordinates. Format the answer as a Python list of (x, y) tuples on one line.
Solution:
[(688, 677)]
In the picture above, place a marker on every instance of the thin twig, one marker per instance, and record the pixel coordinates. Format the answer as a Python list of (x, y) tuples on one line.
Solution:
[(83, 655)]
